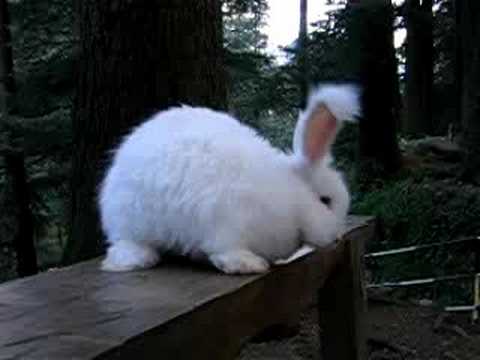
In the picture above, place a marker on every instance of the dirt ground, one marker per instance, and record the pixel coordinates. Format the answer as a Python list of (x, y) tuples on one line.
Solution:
[(421, 333), (396, 332)]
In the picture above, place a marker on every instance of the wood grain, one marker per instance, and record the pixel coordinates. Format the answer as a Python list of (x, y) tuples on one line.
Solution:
[(342, 302), (175, 311)]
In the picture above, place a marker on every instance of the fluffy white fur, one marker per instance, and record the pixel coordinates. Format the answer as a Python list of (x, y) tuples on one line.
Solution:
[(197, 182), (341, 100)]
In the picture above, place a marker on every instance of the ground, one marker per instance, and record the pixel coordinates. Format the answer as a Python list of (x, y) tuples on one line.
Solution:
[(421, 333), (396, 332)]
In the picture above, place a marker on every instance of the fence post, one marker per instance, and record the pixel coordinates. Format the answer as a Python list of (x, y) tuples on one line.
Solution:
[(342, 307)]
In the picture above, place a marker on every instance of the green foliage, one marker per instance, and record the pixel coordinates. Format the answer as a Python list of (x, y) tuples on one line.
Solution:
[(327, 50), (244, 6), (444, 79), (345, 147), (246, 59), (243, 26), (422, 211), (278, 129), (419, 210)]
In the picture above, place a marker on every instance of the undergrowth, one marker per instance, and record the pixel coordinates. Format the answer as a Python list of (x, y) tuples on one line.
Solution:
[(413, 212)]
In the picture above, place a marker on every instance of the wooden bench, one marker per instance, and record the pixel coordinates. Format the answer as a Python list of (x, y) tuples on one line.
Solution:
[(181, 311)]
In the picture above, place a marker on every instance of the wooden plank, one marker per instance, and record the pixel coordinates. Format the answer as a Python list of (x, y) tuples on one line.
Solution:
[(342, 303), (175, 311)]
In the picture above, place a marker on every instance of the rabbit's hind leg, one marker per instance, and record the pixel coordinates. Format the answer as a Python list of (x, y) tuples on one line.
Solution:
[(129, 255)]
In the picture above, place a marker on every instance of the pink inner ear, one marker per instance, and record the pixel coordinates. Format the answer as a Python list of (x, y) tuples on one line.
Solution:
[(319, 134)]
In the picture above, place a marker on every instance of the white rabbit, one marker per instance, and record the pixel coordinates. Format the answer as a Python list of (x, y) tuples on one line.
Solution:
[(197, 182)]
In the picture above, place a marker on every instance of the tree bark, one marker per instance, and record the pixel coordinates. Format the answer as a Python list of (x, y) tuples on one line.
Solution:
[(7, 79), (419, 67), (458, 68), (373, 66), (303, 53), (469, 22), (137, 57), (18, 192), (23, 239)]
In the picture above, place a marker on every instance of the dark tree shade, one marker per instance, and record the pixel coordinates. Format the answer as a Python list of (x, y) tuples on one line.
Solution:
[(7, 79), (458, 64), (302, 52), (468, 12), (16, 182), (419, 67), (23, 239), (136, 57), (373, 65)]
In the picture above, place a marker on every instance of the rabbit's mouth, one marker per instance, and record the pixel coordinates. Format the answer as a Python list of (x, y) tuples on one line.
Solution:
[(303, 240)]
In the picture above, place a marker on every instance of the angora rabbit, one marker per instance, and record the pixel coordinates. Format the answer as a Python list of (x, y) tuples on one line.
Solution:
[(197, 182)]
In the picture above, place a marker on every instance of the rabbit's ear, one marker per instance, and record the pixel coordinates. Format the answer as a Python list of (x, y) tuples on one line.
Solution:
[(327, 108), (319, 131)]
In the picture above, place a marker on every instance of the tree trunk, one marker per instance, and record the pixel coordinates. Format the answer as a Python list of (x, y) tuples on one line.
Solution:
[(458, 69), (419, 67), (7, 79), (373, 65), (303, 53), (23, 239), (469, 22), (18, 192), (137, 57)]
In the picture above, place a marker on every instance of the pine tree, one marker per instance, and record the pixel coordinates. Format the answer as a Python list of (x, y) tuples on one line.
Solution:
[(419, 67), (7, 79), (468, 12), (17, 190), (373, 65), (303, 52), (137, 57)]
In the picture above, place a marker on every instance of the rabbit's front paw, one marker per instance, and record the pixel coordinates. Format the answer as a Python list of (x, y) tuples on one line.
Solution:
[(239, 262)]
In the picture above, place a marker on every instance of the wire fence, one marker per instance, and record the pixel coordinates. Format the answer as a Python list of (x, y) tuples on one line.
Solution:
[(474, 276)]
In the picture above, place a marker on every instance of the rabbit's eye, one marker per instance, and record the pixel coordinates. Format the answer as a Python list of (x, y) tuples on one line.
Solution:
[(326, 200)]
